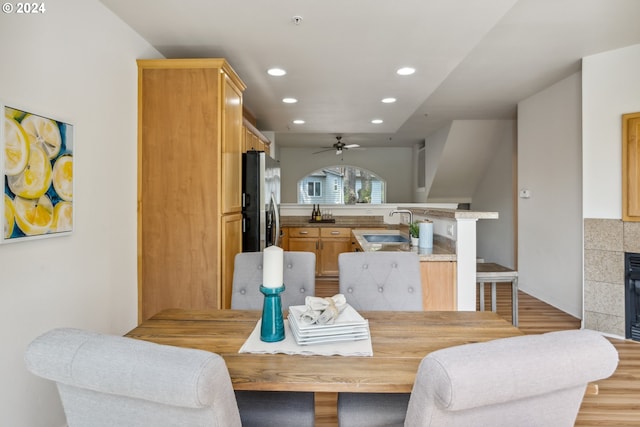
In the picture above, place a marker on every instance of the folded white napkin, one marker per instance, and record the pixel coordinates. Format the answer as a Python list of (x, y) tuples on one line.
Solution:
[(323, 311)]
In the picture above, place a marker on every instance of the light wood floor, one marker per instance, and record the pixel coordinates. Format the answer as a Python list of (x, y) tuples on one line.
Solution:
[(618, 400)]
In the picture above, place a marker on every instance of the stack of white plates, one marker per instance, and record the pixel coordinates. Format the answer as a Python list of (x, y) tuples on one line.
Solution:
[(349, 326)]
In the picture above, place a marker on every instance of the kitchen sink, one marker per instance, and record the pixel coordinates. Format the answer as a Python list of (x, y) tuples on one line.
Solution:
[(385, 238)]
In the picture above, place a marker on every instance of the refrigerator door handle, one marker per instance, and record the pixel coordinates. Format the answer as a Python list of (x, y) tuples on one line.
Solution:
[(276, 218)]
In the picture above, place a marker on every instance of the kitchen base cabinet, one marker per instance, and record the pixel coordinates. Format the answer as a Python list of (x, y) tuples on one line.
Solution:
[(189, 161), (231, 245), (284, 239), (326, 242), (306, 245), (438, 285), (333, 242)]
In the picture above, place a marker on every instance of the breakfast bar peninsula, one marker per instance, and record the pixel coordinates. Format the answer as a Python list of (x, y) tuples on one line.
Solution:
[(448, 268)]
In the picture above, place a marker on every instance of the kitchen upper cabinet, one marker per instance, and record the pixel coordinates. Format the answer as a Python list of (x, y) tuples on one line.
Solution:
[(253, 139), (631, 167), (189, 181), (231, 140)]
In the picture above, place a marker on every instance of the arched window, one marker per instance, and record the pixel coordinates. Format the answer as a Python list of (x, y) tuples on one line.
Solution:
[(341, 185)]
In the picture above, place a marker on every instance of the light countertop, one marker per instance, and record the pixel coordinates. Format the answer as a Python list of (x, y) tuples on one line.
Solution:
[(452, 213), (437, 253)]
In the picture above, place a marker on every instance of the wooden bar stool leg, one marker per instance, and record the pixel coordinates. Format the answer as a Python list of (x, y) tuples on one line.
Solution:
[(514, 301), (481, 296)]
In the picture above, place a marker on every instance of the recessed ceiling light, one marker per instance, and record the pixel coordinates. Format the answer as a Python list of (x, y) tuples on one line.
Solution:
[(389, 100), (289, 100), (277, 72), (298, 122), (406, 71), (376, 121)]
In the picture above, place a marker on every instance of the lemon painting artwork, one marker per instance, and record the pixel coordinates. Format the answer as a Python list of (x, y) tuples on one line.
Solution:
[(36, 161)]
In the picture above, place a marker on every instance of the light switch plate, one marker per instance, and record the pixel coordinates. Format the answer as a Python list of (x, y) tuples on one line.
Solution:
[(525, 194)]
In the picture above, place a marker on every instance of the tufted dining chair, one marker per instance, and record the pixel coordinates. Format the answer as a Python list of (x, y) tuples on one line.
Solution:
[(528, 381), (299, 275), (381, 280), (106, 381), (378, 281)]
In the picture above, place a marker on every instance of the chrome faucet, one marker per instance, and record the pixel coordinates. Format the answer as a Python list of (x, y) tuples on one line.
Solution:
[(404, 211)]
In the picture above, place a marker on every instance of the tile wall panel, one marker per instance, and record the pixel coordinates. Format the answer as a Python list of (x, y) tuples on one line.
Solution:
[(605, 241)]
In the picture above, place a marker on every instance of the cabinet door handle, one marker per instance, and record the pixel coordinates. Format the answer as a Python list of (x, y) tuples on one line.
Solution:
[(335, 232), (303, 232), (317, 245)]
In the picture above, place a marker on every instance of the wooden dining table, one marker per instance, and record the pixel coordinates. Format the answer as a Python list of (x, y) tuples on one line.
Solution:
[(399, 340)]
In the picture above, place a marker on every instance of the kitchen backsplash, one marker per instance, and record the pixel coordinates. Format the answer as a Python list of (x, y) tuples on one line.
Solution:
[(345, 221)]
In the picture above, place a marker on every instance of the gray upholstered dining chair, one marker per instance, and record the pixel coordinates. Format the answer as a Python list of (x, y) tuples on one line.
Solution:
[(530, 380), (299, 275), (106, 381), (378, 281), (381, 280)]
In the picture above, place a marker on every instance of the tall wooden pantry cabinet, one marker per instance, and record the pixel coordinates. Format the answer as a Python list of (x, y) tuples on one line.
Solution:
[(190, 141)]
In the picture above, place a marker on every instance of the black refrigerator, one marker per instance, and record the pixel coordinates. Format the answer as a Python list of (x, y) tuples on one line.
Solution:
[(260, 201)]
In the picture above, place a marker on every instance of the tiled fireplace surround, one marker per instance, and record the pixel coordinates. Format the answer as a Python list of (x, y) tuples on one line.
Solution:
[(605, 242)]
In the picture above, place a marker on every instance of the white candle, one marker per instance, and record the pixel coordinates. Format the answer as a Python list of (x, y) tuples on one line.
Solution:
[(272, 267)]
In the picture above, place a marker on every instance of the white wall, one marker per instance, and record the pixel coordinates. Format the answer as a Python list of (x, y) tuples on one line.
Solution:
[(395, 165), (469, 148), (495, 193), (420, 162), (610, 88), (434, 145), (75, 62), (550, 222)]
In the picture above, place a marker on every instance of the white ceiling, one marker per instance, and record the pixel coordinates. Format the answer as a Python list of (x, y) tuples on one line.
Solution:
[(475, 59)]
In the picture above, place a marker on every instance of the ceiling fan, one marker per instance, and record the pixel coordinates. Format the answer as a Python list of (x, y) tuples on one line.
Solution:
[(338, 146)]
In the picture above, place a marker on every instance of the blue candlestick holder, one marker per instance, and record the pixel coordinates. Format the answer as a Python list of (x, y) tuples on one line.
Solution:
[(272, 328)]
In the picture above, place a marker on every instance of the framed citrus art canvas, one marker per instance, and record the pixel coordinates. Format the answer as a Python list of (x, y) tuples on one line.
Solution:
[(37, 166)]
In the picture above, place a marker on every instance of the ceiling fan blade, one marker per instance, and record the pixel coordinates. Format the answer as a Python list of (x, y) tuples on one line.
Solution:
[(352, 145), (322, 151)]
